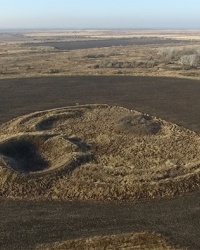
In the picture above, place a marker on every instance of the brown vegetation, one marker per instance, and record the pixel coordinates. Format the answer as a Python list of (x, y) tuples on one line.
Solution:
[(96, 152), (134, 241), (100, 53)]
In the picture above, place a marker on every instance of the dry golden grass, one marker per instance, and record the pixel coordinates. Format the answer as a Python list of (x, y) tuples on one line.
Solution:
[(19, 61), (96, 152), (129, 241)]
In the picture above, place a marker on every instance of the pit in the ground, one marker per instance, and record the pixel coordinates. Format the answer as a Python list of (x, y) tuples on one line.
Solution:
[(22, 155)]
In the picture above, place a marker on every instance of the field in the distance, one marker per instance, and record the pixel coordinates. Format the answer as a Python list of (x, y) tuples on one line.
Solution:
[(66, 53)]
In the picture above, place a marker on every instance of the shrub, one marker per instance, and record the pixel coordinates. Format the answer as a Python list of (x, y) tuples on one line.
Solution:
[(186, 55), (170, 53), (126, 64), (116, 64), (54, 71), (190, 61), (94, 55)]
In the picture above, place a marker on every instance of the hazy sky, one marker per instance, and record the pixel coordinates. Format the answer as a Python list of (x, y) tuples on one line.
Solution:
[(99, 14)]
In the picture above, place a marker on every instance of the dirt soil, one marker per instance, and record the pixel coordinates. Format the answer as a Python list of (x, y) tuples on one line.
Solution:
[(26, 224), (172, 99)]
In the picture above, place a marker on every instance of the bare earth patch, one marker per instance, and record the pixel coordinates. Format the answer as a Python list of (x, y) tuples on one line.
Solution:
[(96, 152), (144, 240)]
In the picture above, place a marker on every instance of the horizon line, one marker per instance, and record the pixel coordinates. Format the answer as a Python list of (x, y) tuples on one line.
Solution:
[(37, 28)]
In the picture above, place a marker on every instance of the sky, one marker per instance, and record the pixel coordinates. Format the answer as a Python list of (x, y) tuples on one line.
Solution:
[(100, 14)]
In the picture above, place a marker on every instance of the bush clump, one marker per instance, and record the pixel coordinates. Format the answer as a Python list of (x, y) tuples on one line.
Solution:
[(126, 64), (188, 57), (54, 71), (94, 56)]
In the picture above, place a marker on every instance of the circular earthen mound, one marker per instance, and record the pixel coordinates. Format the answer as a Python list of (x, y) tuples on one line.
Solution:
[(96, 152)]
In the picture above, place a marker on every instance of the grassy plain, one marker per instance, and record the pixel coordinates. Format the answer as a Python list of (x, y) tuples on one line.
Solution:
[(66, 53)]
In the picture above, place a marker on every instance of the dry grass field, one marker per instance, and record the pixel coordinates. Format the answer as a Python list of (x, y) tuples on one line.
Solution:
[(144, 53)]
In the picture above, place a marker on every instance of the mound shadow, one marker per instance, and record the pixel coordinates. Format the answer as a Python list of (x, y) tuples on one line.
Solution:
[(49, 122), (22, 155), (42, 153)]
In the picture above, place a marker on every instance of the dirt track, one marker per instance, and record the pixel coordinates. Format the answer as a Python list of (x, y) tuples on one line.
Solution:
[(24, 224)]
